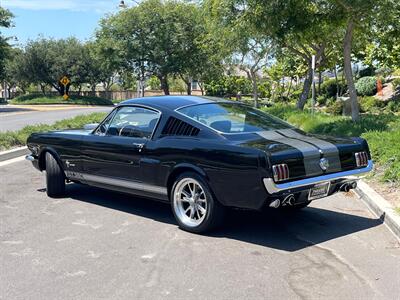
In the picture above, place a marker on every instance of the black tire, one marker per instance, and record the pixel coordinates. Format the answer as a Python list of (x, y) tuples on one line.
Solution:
[(55, 179), (215, 211)]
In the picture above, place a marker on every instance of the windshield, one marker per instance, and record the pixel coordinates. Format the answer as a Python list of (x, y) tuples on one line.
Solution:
[(233, 118)]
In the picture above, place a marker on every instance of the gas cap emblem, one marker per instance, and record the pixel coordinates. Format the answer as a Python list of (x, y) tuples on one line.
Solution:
[(324, 164)]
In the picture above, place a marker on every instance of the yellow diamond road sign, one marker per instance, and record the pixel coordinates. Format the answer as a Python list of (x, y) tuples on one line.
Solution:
[(65, 80)]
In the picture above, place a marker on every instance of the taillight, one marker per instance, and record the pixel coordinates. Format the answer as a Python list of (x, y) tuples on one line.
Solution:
[(361, 159), (281, 172)]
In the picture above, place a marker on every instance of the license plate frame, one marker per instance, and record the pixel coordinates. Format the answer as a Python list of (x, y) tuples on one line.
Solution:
[(318, 191)]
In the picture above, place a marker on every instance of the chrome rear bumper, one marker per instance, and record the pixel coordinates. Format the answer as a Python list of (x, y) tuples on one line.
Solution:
[(274, 188)]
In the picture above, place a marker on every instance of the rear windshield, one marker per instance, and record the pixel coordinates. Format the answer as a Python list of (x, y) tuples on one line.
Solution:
[(233, 118)]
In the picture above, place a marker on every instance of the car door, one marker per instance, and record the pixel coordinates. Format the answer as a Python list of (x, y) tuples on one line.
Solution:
[(112, 154)]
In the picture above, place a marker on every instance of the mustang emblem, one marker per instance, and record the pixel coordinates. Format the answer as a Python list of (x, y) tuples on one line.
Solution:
[(324, 163)]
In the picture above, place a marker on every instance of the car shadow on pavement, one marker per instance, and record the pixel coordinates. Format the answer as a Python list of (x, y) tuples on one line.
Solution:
[(278, 229)]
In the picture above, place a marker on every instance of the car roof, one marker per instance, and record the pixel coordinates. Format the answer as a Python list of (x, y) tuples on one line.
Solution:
[(173, 102)]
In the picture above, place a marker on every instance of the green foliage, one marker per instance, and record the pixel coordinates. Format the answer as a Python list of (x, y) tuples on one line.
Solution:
[(228, 86), (334, 107), (369, 71), (396, 83), (5, 22), (393, 106), (370, 104), (31, 99), (329, 88), (385, 150), (154, 83), (366, 86), (18, 138), (160, 38)]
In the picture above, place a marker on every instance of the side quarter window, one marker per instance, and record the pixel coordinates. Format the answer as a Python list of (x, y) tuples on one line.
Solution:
[(102, 129), (134, 121)]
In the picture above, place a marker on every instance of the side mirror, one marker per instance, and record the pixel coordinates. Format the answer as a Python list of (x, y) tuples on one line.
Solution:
[(90, 126)]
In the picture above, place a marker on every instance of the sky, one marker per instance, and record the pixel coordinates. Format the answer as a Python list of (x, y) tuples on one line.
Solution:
[(57, 19)]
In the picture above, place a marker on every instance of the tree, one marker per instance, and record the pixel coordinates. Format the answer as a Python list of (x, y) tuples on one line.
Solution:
[(154, 38), (303, 27), (15, 70), (5, 22), (244, 48), (46, 61)]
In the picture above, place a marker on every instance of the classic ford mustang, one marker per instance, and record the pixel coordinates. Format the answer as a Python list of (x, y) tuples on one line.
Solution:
[(202, 155)]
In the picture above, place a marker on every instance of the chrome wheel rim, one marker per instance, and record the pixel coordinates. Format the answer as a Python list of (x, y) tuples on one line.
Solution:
[(190, 202)]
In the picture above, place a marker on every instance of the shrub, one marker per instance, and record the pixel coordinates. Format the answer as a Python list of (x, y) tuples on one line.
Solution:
[(228, 86), (78, 100), (321, 100), (396, 83), (366, 86), (370, 104), (393, 106), (329, 88), (335, 108), (368, 71)]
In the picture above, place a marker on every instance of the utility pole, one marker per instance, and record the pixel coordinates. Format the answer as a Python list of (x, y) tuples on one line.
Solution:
[(313, 83)]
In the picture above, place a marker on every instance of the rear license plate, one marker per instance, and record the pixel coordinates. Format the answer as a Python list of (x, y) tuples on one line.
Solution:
[(319, 191)]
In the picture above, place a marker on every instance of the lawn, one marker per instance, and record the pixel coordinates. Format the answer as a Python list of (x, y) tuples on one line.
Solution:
[(34, 99), (381, 131)]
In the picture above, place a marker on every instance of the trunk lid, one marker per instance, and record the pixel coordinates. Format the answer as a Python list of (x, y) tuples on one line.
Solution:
[(303, 152)]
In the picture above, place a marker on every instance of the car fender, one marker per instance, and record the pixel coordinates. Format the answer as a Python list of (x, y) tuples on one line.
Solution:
[(42, 155)]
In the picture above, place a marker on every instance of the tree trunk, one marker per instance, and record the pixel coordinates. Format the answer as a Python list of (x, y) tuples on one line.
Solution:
[(319, 82), (43, 89), (355, 110), (164, 84), (337, 83), (255, 89), (189, 87), (306, 89), (201, 88), (290, 87)]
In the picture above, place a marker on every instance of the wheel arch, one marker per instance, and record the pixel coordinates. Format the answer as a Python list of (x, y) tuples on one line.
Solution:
[(42, 158), (182, 168)]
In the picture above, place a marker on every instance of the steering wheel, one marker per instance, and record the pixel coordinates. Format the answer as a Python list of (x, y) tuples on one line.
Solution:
[(132, 127)]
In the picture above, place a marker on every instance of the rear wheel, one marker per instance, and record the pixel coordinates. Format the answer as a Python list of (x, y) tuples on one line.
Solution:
[(55, 179), (193, 204)]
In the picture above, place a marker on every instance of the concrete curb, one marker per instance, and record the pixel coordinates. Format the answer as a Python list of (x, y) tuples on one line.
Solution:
[(379, 206), (13, 153)]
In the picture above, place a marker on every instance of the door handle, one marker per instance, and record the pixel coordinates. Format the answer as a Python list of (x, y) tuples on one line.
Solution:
[(139, 146)]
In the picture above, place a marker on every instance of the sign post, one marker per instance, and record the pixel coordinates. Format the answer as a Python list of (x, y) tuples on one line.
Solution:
[(65, 81), (313, 83)]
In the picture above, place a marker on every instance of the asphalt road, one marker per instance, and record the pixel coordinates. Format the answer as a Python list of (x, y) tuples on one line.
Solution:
[(96, 244), (12, 118)]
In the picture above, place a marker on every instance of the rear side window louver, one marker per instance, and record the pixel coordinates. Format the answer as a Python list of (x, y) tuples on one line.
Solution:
[(175, 126)]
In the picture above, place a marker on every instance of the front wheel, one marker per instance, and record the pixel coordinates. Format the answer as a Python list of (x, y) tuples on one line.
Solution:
[(55, 179), (193, 205)]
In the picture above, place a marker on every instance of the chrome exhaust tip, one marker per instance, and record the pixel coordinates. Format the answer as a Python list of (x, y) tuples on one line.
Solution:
[(275, 204), (289, 200), (345, 187)]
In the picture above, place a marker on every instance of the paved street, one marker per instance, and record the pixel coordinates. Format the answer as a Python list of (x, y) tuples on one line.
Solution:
[(16, 117), (103, 245)]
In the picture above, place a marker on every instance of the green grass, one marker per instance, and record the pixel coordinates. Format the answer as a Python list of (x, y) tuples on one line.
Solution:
[(18, 138), (34, 99), (381, 131), (397, 210)]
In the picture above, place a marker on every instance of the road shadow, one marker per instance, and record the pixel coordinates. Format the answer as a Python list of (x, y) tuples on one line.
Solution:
[(287, 231), (8, 109)]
